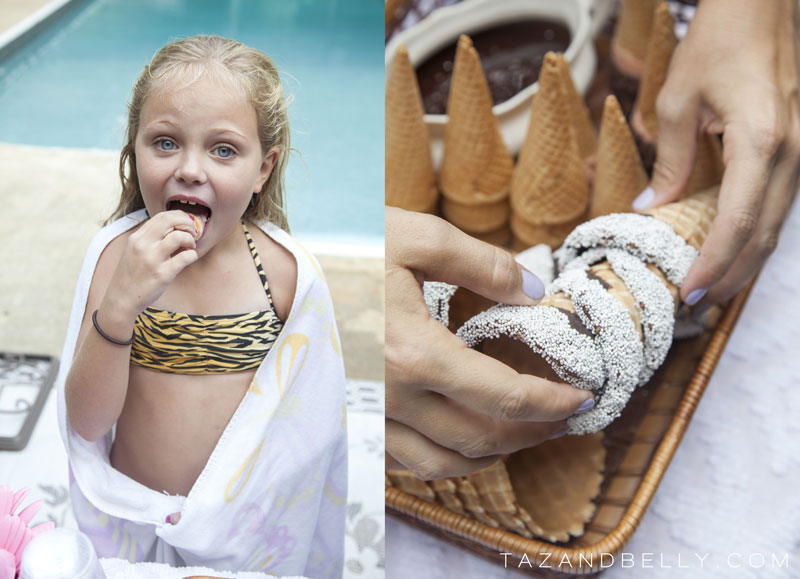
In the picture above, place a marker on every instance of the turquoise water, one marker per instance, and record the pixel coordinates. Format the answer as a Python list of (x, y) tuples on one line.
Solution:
[(68, 87)]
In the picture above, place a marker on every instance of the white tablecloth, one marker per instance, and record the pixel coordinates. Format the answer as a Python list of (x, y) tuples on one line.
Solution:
[(728, 505)]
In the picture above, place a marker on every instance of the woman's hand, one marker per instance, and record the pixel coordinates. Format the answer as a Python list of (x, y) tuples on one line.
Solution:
[(451, 410), (735, 73), (155, 254)]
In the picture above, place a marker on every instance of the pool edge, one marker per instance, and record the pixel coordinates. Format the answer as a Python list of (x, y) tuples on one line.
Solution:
[(29, 26)]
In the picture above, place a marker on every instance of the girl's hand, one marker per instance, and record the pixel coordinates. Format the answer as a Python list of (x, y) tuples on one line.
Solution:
[(451, 410), (735, 73), (154, 255)]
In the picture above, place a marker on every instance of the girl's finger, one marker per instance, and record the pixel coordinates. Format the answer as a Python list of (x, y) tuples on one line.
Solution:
[(426, 459), (469, 433)]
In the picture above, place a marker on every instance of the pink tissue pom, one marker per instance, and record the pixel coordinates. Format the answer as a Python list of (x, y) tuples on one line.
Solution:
[(14, 531)]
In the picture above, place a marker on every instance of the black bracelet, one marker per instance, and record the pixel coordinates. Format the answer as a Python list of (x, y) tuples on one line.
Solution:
[(106, 336)]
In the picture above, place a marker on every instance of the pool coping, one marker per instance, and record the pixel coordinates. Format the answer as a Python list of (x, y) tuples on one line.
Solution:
[(31, 25)]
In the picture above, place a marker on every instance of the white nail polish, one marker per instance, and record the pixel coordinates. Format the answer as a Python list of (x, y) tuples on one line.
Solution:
[(644, 200)]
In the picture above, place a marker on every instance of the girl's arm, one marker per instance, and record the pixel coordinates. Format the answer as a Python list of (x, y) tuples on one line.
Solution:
[(131, 274)]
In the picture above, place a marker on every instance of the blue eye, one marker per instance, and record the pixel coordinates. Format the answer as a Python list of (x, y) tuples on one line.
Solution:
[(225, 152), (166, 144)]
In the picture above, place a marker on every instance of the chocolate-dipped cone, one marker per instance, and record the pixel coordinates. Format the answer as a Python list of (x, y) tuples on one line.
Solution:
[(708, 165), (619, 176), (410, 180), (549, 185), (476, 167), (644, 120), (579, 112)]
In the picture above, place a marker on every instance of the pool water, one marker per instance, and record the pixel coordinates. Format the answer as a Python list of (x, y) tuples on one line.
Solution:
[(68, 87)]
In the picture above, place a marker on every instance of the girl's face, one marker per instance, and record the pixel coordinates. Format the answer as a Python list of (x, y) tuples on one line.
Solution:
[(198, 150)]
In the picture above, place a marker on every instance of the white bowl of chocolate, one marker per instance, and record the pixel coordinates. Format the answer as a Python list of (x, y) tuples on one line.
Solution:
[(511, 38)]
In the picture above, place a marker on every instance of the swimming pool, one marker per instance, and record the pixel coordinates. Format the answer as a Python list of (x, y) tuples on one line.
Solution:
[(67, 86)]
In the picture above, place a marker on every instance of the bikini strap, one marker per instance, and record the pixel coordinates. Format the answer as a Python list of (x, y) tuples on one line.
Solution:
[(257, 259)]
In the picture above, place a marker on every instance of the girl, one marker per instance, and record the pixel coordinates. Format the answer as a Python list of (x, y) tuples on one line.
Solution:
[(201, 398)]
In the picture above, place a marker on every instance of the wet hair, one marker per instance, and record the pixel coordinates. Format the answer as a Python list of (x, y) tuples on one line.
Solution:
[(252, 75)]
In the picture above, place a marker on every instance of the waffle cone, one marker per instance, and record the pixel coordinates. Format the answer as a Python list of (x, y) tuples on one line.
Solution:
[(408, 483), (556, 482), (549, 184), (708, 165), (631, 34), (476, 167), (619, 290), (410, 180), (500, 236), (619, 174), (579, 112), (659, 53), (690, 217), (527, 234), (481, 218)]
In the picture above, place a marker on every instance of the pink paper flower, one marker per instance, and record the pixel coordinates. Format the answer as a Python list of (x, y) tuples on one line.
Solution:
[(14, 531)]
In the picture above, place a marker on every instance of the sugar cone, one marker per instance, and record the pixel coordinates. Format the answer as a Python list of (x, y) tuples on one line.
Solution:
[(579, 112), (619, 175), (476, 166), (407, 482), (500, 236), (659, 53), (549, 184), (476, 218), (410, 180), (555, 483), (690, 217), (527, 234), (631, 34), (708, 165)]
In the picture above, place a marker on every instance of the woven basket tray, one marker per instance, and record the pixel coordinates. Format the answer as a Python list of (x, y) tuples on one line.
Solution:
[(640, 445)]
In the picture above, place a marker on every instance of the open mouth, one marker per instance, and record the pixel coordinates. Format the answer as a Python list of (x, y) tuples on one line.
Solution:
[(198, 210)]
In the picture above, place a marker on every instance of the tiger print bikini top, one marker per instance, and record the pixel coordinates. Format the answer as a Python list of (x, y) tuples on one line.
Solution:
[(179, 343)]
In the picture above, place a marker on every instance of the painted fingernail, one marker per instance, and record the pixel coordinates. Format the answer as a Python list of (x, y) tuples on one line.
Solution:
[(168, 519), (558, 434), (695, 296), (585, 406), (532, 286), (644, 200)]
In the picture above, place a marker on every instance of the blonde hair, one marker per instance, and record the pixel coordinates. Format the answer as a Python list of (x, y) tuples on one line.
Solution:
[(256, 78)]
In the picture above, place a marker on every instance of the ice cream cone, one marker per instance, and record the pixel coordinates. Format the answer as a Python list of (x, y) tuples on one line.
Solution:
[(579, 113), (410, 180), (407, 482), (527, 235), (477, 218), (476, 167), (659, 53), (631, 34), (690, 217), (555, 483), (619, 175), (500, 236), (708, 165), (549, 185)]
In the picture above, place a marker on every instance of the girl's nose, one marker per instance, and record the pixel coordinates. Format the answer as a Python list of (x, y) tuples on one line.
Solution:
[(190, 168)]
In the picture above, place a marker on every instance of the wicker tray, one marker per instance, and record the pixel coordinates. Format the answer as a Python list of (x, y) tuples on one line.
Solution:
[(640, 446)]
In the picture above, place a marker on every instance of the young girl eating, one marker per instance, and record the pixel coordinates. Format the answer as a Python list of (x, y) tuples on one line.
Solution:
[(201, 397)]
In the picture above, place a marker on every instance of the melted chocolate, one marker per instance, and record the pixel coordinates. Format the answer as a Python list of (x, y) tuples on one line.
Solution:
[(575, 322), (511, 56)]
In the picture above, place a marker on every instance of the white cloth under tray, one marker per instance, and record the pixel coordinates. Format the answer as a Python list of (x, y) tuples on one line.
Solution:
[(272, 495)]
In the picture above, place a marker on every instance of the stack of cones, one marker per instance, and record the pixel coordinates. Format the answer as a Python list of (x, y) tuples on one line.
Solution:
[(629, 49), (549, 188), (545, 491), (620, 176), (644, 120), (410, 179), (476, 167)]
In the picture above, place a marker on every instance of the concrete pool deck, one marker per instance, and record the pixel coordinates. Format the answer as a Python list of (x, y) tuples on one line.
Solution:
[(54, 200)]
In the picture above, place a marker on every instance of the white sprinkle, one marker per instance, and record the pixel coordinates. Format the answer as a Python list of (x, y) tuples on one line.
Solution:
[(437, 296), (547, 331), (648, 239)]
